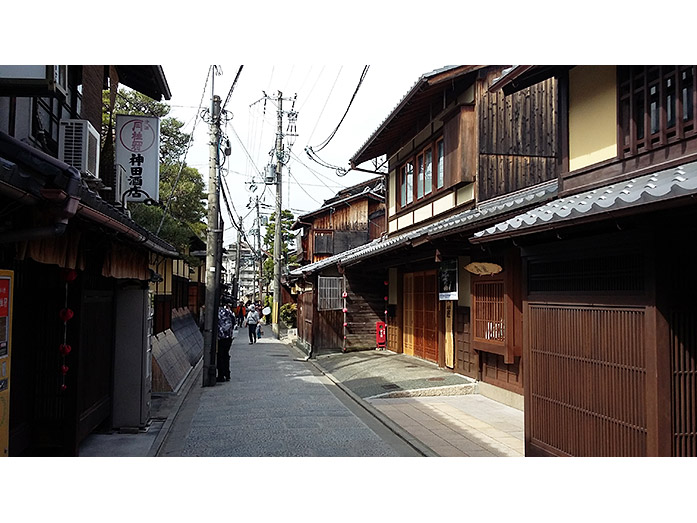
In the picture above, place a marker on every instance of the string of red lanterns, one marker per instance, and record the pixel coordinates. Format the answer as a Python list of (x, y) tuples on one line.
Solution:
[(65, 314)]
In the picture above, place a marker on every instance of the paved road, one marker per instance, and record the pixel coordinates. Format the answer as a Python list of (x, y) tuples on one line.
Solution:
[(276, 404)]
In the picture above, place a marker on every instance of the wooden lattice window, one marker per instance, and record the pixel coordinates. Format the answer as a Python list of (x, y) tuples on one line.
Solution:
[(656, 106), (330, 291), (489, 311)]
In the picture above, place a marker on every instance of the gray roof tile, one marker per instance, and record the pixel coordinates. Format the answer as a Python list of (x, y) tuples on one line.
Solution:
[(449, 225), (651, 188)]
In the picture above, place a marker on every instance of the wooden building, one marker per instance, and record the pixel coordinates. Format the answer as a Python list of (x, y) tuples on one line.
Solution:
[(609, 319), (352, 218), (76, 356), (457, 162)]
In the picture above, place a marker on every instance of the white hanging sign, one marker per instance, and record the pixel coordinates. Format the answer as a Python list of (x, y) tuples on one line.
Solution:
[(138, 152)]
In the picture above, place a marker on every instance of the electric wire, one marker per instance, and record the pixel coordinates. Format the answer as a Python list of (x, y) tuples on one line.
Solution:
[(326, 102), (355, 92), (232, 88)]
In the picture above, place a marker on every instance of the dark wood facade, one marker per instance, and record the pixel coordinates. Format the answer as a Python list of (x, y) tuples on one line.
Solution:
[(354, 217), (518, 145), (608, 315), (501, 145), (336, 330)]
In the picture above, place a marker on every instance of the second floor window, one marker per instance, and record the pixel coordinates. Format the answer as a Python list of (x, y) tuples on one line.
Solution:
[(427, 167), (407, 183), (656, 106), (440, 154)]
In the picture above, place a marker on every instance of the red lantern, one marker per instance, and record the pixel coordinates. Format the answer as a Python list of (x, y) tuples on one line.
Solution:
[(64, 387), (345, 309), (66, 314), (345, 324), (69, 275), (64, 349), (64, 369)]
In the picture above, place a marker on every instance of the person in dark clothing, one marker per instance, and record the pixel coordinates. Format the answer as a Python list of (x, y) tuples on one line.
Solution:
[(226, 326)]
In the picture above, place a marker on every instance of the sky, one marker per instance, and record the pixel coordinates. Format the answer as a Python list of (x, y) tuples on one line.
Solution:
[(320, 94)]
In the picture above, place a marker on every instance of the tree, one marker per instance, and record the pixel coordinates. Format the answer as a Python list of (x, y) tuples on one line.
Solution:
[(287, 237), (187, 209)]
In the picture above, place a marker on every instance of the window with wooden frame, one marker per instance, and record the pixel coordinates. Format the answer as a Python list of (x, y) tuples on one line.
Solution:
[(656, 106), (489, 312), (407, 183), (330, 290), (324, 242), (497, 309), (422, 174), (439, 163)]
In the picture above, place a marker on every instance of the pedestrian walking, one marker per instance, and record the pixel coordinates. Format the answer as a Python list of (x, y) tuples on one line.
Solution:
[(226, 325), (252, 320), (240, 313)]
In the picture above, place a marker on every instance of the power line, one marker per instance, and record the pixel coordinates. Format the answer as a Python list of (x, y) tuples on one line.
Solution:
[(355, 92), (232, 87), (326, 102)]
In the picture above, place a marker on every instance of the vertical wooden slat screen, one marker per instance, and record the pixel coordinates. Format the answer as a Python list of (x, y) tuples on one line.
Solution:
[(489, 312), (683, 345), (587, 380)]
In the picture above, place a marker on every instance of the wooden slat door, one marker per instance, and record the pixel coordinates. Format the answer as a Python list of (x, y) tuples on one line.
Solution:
[(421, 315), (408, 320)]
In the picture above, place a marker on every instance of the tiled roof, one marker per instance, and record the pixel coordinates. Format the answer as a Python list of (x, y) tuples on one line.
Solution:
[(455, 223), (651, 188)]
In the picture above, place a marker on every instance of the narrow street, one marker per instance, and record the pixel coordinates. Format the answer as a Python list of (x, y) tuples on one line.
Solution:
[(276, 404)]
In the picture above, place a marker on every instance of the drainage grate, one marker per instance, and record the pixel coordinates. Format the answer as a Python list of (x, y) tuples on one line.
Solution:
[(436, 379), (279, 355), (391, 386)]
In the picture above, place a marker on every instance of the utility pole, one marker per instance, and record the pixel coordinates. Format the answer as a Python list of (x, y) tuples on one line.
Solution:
[(277, 249), (261, 258), (212, 244), (238, 255)]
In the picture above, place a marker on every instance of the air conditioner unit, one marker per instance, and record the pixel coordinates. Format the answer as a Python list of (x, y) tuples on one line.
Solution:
[(78, 145)]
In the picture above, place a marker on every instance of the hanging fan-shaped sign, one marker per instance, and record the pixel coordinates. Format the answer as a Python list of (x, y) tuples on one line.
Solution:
[(483, 268)]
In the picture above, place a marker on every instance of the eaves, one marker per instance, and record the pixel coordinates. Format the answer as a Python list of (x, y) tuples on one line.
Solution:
[(465, 221), (631, 196)]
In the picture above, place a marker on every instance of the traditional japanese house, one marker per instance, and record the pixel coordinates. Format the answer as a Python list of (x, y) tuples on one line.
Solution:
[(609, 316), (352, 218), (456, 162), (76, 317)]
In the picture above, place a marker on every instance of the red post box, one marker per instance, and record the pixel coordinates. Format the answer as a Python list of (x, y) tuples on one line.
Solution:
[(380, 334)]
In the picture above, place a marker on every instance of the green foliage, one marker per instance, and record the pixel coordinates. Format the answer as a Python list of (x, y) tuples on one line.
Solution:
[(287, 220), (173, 142), (289, 315)]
